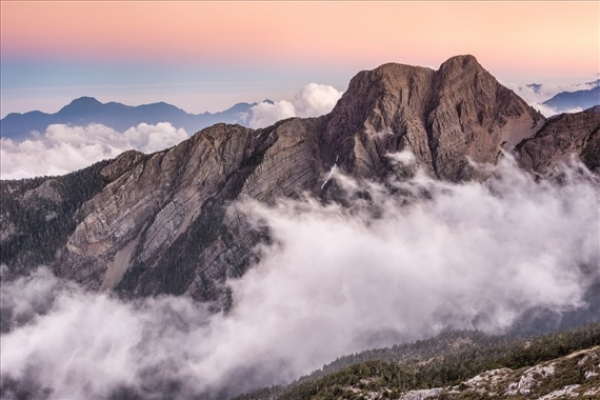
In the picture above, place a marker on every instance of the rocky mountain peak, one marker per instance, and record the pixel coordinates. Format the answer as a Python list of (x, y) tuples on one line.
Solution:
[(473, 115), (152, 224), (441, 116), (461, 62)]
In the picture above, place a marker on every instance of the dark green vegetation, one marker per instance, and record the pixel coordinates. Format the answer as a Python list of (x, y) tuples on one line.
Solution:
[(447, 360), (44, 222)]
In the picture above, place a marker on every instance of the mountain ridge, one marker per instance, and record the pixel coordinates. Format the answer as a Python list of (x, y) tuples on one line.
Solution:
[(85, 110), (156, 224), (146, 227)]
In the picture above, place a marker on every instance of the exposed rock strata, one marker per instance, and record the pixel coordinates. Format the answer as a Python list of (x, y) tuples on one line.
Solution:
[(561, 138), (444, 117), (156, 223)]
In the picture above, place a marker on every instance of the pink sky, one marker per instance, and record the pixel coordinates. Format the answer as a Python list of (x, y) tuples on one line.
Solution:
[(516, 41)]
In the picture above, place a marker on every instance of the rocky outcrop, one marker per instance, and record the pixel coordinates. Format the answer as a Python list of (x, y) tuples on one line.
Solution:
[(383, 110), (561, 138), (474, 116), (444, 117), (151, 224), (573, 376), (45, 191), (137, 218)]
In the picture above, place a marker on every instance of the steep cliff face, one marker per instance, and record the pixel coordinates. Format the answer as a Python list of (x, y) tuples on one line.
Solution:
[(160, 227), (383, 110), (139, 217), (442, 116), (157, 223), (474, 116)]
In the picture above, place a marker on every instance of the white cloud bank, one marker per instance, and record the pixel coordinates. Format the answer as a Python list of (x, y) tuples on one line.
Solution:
[(312, 100), (424, 257), (535, 95), (64, 148)]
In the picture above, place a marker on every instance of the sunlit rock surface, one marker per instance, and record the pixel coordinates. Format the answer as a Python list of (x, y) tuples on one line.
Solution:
[(157, 223)]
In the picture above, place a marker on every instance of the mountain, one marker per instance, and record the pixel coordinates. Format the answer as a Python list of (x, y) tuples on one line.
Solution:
[(151, 224), (145, 225), (561, 136), (549, 90), (86, 110), (583, 99)]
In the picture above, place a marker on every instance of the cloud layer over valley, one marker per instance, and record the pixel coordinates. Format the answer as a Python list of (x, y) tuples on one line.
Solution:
[(536, 94), (64, 148), (418, 257)]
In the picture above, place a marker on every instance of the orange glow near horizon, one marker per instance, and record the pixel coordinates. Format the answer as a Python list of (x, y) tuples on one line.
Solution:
[(558, 37)]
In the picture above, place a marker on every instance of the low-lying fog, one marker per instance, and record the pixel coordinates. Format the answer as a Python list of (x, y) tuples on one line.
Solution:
[(421, 256)]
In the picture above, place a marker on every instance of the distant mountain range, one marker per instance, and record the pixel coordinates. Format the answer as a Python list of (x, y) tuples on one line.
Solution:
[(546, 88), (583, 99), (560, 98), (87, 110)]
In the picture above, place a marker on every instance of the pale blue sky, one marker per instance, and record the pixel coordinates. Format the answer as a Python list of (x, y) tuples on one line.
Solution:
[(50, 85), (206, 56)]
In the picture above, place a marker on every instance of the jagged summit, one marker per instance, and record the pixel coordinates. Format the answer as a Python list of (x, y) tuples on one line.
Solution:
[(156, 224), (464, 60), (442, 115)]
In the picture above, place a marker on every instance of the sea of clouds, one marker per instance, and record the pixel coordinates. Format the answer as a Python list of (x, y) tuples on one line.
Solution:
[(416, 258), (65, 148)]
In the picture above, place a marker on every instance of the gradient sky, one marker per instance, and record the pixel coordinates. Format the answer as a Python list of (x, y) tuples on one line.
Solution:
[(208, 55)]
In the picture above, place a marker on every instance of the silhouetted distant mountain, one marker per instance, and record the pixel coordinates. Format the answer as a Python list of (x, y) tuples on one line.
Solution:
[(86, 110), (583, 99)]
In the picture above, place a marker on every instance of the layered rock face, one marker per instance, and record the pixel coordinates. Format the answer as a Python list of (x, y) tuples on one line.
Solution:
[(157, 203), (563, 137), (157, 223), (442, 116)]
